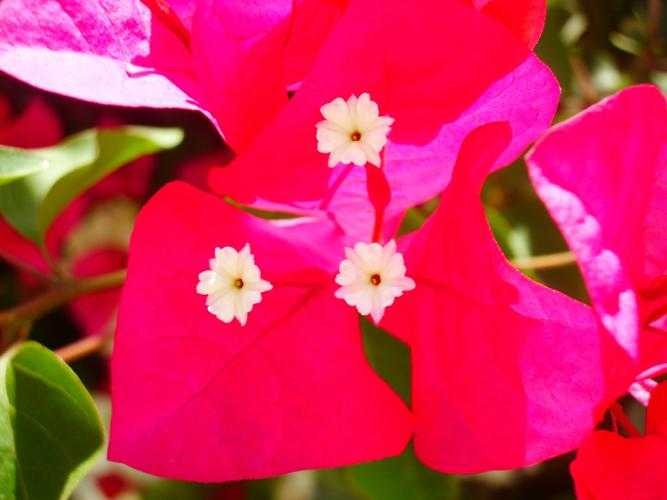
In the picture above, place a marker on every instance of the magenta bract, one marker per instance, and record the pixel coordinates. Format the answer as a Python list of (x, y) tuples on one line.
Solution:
[(436, 92), (219, 401), (213, 401), (231, 59), (603, 177)]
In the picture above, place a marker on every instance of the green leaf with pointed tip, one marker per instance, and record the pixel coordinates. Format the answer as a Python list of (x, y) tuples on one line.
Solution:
[(50, 430), (32, 195)]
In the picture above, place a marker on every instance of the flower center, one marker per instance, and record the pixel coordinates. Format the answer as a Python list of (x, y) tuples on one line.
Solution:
[(229, 298), (340, 133), (371, 277)]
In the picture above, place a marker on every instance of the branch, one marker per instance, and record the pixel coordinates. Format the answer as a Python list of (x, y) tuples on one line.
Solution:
[(61, 294), (584, 79), (545, 261), (84, 347), (623, 421)]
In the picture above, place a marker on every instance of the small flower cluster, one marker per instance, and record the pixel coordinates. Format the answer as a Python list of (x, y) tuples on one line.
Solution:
[(371, 276)]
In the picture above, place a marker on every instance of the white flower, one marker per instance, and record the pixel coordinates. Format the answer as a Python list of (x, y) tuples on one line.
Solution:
[(233, 284), (353, 131), (371, 277)]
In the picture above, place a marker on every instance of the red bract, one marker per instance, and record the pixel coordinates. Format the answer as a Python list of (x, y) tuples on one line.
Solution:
[(292, 389), (612, 467), (231, 59), (525, 18), (36, 126), (438, 68), (603, 177)]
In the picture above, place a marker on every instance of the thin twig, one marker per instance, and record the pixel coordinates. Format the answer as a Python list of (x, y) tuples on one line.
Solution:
[(60, 295), (545, 261), (84, 347), (654, 14), (584, 79), (654, 41), (623, 421)]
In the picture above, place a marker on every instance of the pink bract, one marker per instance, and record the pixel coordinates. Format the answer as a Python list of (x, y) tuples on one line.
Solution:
[(499, 380), (231, 59), (603, 177), (219, 402), (213, 402), (436, 92)]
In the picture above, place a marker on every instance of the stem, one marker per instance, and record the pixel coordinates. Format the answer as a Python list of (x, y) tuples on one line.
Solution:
[(42, 277), (545, 261), (619, 416), (654, 15), (84, 347), (584, 79), (59, 295), (377, 226), (54, 265)]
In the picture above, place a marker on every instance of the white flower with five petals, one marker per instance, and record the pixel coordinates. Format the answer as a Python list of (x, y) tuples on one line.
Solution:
[(233, 284), (371, 277), (353, 131)]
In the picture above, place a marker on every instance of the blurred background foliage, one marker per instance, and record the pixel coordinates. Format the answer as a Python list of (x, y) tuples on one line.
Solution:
[(595, 47)]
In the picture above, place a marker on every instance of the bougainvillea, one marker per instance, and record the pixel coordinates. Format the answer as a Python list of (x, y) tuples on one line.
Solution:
[(605, 187), (290, 390), (338, 280), (233, 60), (301, 344), (422, 84)]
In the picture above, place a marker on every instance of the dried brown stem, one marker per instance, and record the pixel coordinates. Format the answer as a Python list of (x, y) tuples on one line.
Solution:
[(84, 347), (545, 261)]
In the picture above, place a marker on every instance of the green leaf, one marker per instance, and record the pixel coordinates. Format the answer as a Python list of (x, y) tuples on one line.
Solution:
[(50, 430), (389, 357), (16, 163), (76, 151), (38, 184), (402, 477)]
